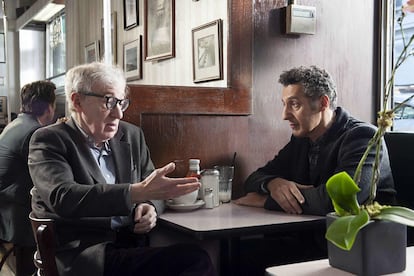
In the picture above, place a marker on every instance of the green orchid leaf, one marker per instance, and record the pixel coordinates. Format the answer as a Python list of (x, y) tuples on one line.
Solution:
[(343, 231), (397, 214), (342, 190)]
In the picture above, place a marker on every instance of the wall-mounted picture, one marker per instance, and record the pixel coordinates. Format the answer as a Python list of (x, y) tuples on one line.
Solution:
[(2, 49), (208, 52), (130, 14), (113, 38), (3, 107), (159, 29), (92, 52), (132, 60)]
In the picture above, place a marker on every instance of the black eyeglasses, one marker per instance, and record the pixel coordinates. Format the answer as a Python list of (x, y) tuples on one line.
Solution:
[(111, 102)]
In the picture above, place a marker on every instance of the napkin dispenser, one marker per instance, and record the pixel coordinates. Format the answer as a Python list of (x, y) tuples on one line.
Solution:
[(300, 19)]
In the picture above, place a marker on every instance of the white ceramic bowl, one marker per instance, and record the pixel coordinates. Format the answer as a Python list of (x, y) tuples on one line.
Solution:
[(186, 199)]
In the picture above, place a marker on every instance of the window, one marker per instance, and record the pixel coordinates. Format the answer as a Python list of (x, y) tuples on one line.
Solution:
[(56, 50), (404, 78), (56, 60)]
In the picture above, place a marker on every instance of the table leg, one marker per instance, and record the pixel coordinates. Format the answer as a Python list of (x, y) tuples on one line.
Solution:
[(230, 256)]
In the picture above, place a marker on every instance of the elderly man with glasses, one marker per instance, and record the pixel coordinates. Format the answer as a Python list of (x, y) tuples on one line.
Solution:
[(93, 174)]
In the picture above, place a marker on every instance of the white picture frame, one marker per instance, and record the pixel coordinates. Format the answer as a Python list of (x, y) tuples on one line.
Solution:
[(207, 47), (92, 52)]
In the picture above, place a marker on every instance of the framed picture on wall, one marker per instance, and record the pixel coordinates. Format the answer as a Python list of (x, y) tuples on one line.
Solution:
[(113, 38), (132, 60), (92, 52), (2, 49), (3, 107), (159, 29), (207, 47), (130, 14)]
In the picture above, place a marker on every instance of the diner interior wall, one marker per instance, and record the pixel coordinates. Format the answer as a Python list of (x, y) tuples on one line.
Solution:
[(343, 44), (84, 19)]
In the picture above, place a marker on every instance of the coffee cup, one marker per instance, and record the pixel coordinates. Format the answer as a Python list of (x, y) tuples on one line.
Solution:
[(186, 199)]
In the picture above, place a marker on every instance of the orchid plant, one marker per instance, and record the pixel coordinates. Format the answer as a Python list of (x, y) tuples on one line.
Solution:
[(342, 189)]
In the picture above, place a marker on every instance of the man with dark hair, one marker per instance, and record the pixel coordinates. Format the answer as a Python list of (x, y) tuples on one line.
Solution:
[(38, 109), (325, 140)]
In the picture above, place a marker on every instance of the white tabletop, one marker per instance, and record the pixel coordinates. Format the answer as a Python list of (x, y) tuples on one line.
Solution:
[(322, 268), (230, 216)]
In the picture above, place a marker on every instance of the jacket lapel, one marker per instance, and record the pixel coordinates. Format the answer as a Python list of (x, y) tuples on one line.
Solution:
[(88, 161)]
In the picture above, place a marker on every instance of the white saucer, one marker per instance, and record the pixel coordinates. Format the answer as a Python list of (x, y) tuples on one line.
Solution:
[(185, 207)]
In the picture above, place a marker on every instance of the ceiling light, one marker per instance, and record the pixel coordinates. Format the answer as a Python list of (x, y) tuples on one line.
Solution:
[(40, 11), (48, 12)]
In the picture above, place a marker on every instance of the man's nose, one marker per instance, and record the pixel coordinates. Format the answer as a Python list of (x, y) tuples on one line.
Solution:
[(117, 112), (285, 113)]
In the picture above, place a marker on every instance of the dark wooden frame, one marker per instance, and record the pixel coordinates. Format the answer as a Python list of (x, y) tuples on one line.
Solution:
[(136, 74), (3, 106), (147, 50), (135, 16), (236, 99), (208, 74)]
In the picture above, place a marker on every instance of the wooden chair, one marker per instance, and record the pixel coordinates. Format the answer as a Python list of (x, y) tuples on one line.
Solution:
[(7, 252), (44, 257), (401, 152)]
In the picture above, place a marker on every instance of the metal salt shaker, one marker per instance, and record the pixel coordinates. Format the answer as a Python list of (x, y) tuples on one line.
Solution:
[(210, 179), (208, 198)]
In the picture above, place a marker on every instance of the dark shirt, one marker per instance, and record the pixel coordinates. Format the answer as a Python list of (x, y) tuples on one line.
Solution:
[(306, 163)]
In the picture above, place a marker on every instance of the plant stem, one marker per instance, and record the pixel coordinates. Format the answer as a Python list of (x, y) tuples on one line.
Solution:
[(385, 118)]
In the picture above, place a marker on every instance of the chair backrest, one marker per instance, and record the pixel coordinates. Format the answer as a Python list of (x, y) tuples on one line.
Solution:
[(401, 152), (44, 257)]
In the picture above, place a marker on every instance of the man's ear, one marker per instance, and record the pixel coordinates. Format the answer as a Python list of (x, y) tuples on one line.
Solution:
[(324, 102), (76, 101)]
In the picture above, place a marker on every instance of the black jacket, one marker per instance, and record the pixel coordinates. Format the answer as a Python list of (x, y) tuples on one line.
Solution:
[(15, 181), (69, 187)]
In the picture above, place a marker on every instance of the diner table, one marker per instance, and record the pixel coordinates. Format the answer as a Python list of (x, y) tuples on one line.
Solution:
[(220, 229), (322, 268)]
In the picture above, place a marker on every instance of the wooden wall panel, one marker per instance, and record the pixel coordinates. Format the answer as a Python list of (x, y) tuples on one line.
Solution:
[(212, 139)]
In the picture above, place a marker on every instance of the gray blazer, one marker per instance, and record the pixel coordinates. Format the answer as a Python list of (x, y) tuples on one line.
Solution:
[(69, 188), (15, 181)]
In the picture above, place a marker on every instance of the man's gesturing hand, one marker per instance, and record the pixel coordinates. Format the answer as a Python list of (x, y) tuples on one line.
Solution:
[(158, 186)]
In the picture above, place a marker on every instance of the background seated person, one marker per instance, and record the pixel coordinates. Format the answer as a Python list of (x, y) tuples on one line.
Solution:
[(37, 106), (93, 174)]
